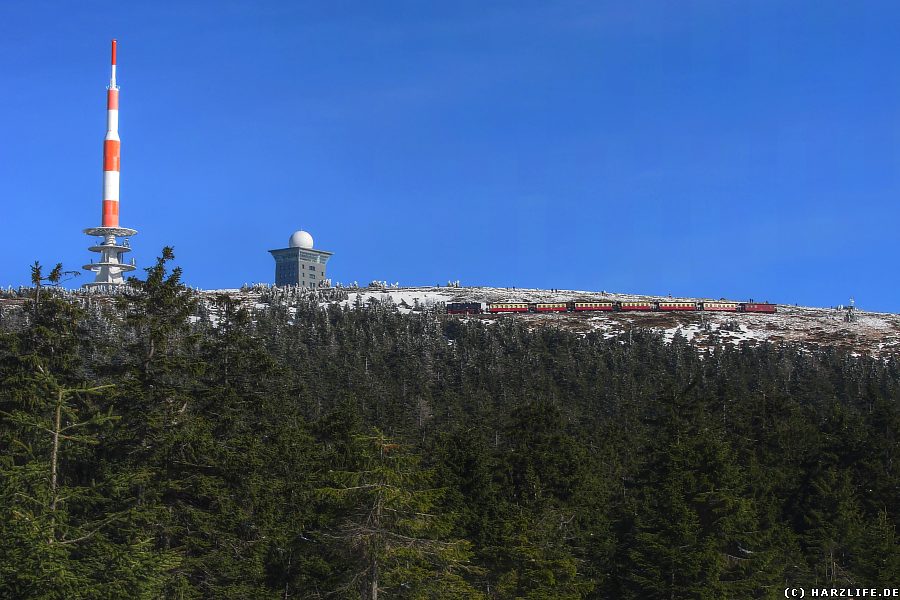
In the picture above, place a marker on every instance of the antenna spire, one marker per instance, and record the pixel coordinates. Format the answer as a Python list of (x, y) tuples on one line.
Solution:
[(112, 77)]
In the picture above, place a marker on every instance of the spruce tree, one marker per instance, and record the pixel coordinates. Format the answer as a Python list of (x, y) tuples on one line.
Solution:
[(394, 529)]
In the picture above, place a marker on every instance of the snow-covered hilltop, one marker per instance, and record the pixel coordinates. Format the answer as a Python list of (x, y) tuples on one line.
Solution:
[(869, 333)]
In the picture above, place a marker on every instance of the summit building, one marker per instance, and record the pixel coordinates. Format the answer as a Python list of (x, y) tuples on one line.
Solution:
[(300, 263)]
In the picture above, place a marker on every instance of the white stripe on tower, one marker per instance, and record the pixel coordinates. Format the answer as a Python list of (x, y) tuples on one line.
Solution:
[(111, 150)]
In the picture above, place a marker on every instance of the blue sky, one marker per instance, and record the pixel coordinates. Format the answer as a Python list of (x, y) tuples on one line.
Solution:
[(710, 148)]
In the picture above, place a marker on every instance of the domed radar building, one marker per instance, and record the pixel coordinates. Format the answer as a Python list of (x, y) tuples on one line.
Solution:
[(299, 263)]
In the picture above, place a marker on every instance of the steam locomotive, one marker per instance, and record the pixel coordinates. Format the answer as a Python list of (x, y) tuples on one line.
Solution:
[(476, 308)]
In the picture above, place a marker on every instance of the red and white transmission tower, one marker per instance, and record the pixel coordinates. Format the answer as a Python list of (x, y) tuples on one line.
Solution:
[(110, 267)]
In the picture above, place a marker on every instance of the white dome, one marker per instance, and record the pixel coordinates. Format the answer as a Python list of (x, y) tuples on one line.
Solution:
[(301, 239)]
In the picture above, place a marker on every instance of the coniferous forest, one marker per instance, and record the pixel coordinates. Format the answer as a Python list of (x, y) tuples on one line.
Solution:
[(153, 448)]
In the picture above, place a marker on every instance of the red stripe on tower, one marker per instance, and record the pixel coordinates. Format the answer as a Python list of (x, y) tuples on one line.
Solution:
[(111, 207), (110, 217), (111, 155)]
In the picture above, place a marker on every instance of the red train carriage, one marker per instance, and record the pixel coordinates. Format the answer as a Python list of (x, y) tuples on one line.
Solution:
[(551, 307), (639, 305), (670, 305), (758, 307), (504, 307), (579, 306), (720, 306)]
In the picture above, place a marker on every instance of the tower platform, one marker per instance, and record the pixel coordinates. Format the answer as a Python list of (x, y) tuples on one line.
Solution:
[(110, 268)]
